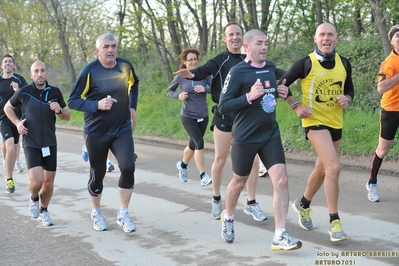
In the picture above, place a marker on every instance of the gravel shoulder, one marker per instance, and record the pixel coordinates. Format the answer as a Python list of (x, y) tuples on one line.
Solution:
[(360, 164), (353, 164)]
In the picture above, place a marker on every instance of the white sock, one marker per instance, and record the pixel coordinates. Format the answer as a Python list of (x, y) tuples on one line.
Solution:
[(123, 210), (279, 232), (228, 217), (97, 210)]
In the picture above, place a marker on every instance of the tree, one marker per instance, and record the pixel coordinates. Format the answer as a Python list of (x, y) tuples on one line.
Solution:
[(319, 15), (57, 15), (376, 8), (121, 14), (172, 26), (266, 14), (138, 14), (357, 23), (251, 14), (201, 23), (156, 26)]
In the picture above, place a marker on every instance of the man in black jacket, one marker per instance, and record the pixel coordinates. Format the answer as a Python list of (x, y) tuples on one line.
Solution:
[(219, 67)]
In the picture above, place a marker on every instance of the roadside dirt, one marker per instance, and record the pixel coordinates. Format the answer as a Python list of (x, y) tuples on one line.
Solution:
[(359, 164), (354, 164)]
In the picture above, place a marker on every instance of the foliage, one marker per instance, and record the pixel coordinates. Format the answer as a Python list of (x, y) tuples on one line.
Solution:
[(365, 64), (152, 33)]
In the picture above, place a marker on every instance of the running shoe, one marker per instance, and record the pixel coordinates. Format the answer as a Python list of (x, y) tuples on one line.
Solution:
[(182, 172), (303, 214), (135, 157), (18, 168), (34, 208), (335, 231), (110, 167), (85, 155), (99, 223), (126, 222), (206, 180), (45, 218), (10, 185), (372, 192), (256, 212), (285, 242), (227, 229), (216, 209), (262, 170)]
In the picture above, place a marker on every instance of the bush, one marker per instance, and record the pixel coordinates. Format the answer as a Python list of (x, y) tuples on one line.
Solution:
[(159, 115)]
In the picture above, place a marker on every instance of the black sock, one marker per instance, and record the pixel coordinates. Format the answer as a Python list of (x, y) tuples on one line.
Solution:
[(42, 209), (34, 198), (183, 164), (375, 167), (217, 198), (202, 174), (333, 217), (305, 203), (251, 202)]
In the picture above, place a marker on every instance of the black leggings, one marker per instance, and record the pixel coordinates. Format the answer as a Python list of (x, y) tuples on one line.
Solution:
[(196, 131), (122, 148)]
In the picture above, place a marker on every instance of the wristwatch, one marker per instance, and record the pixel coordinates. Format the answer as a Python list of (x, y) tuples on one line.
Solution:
[(349, 98), (60, 112)]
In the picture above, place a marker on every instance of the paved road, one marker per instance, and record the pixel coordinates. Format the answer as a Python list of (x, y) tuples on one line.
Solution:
[(174, 222)]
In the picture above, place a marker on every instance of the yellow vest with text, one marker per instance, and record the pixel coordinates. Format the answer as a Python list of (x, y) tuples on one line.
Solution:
[(320, 89)]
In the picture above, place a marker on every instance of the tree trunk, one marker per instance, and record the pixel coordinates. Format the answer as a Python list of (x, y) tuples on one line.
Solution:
[(174, 36), (245, 23), (138, 11), (253, 16), (202, 24), (121, 17), (60, 21), (319, 15), (204, 34), (381, 24), (357, 23), (265, 11), (159, 41), (231, 12)]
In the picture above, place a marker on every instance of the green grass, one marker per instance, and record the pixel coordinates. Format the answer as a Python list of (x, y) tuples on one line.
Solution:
[(159, 115)]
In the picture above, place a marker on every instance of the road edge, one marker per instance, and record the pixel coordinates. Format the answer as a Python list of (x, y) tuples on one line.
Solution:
[(352, 164)]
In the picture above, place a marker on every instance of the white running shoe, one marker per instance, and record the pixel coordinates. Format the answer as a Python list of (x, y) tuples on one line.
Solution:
[(206, 180), (99, 223), (18, 168), (256, 212), (182, 172), (45, 218), (372, 192), (34, 208), (262, 170), (126, 222)]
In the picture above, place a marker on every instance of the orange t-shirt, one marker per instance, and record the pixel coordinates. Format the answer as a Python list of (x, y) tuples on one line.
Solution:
[(388, 69)]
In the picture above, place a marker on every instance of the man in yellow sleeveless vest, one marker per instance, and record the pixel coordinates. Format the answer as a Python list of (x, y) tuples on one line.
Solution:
[(327, 88)]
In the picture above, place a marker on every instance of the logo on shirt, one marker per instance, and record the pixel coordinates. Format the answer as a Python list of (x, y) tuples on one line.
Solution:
[(226, 83), (268, 103), (329, 94)]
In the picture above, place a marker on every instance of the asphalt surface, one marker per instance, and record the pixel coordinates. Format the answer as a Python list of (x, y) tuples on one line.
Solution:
[(174, 222)]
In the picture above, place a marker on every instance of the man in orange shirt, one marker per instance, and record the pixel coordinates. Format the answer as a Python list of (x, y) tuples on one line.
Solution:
[(388, 86)]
